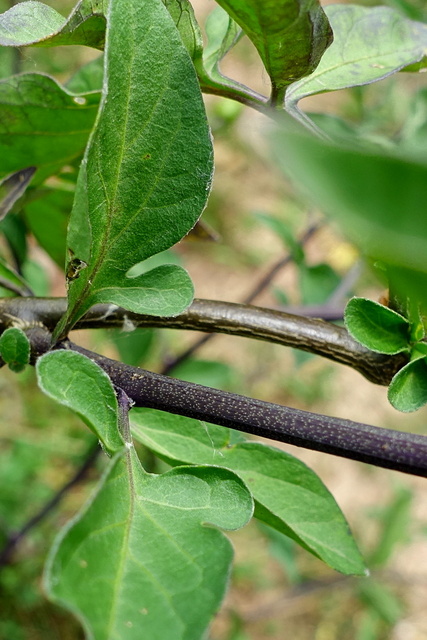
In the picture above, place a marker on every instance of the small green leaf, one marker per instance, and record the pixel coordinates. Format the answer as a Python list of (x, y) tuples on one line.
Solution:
[(285, 232), (78, 383), (147, 171), (12, 188), (408, 389), (290, 35), (288, 495), (30, 135), (377, 327), (34, 23), (15, 349), (182, 13), (145, 559), (369, 43), (317, 283)]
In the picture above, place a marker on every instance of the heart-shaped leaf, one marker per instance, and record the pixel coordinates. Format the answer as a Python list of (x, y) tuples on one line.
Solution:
[(145, 559), (34, 23), (369, 43), (288, 495), (408, 389), (147, 171), (377, 327)]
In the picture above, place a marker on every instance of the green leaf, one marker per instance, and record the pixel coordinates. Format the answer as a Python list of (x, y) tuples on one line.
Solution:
[(222, 35), (408, 389), (377, 327), (88, 78), (182, 13), (375, 194), (133, 345), (30, 135), (34, 23), (49, 210), (369, 44), (290, 35), (145, 559), (78, 383), (15, 348), (317, 283), (10, 279), (288, 495), (12, 188), (286, 234), (146, 175)]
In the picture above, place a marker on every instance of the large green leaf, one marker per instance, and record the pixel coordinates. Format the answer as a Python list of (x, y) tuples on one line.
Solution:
[(288, 495), (147, 171), (34, 23), (375, 194), (369, 43), (290, 35), (145, 558), (42, 124), (78, 383)]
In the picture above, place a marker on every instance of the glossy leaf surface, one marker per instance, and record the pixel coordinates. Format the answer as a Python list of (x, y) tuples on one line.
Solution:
[(408, 389), (34, 23), (288, 495), (145, 558), (15, 348), (369, 43), (146, 175), (377, 327), (78, 383), (290, 35), (30, 135)]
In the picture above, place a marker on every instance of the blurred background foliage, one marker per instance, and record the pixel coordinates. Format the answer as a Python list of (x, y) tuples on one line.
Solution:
[(254, 219)]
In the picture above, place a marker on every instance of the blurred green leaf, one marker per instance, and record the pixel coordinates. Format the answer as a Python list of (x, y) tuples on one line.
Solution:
[(88, 78), (381, 600), (10, 277), (155, 563), (78, 383), (15, 349), (49, 209), (34, 23), (133, 346), (375, 194), (289, 496), (286, 234), (12, 188), (290, 35), (408, 389), (147, 170), (377, 327), (30, 136), (209, 373), (395, 521), (317, 283), (369, 44)]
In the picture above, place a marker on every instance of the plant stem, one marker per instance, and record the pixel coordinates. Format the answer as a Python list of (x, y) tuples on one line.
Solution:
[(377, 446), (210, 316)]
